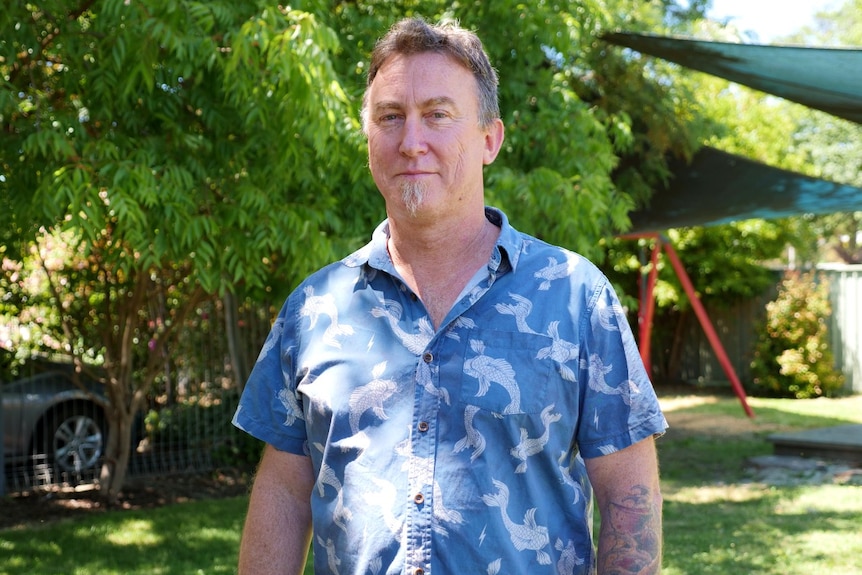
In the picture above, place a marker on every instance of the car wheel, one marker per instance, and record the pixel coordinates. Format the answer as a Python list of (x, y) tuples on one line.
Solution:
[(75, 438)]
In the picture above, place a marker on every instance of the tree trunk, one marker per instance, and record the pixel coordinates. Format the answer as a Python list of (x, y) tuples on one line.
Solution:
[(238, 366), (117, 454)]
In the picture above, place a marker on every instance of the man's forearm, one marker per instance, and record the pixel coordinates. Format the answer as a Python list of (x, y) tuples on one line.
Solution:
[(630, 535)]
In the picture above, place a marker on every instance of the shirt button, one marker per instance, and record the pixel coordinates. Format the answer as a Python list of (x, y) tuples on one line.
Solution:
[(423, 426), (427, 357), (418, 498)]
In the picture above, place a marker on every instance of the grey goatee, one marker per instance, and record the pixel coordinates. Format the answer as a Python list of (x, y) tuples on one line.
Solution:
[(412, 193)]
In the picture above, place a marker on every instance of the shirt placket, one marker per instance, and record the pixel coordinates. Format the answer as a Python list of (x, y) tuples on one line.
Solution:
[(421, 466)]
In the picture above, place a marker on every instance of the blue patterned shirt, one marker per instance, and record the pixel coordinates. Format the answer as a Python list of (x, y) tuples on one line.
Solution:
[(457, 450)]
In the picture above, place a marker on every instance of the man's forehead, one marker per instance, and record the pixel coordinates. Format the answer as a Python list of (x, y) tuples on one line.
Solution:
[(428, 77)]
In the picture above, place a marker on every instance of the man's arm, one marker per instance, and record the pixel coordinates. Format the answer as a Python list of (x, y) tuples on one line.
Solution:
[(628, 496), (277, 528)]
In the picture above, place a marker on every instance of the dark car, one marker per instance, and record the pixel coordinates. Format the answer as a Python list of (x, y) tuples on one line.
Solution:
[(51, 425)]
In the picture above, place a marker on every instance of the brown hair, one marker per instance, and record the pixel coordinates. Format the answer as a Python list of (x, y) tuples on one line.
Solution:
[(415, 36)]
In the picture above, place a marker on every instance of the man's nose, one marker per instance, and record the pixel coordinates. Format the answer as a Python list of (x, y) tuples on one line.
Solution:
[(413, 137)]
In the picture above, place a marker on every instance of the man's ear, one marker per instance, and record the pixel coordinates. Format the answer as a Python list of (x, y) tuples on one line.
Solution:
[(494, 134)]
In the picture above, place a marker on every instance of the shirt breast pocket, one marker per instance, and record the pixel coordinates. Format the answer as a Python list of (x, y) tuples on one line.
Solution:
[(503, 372)]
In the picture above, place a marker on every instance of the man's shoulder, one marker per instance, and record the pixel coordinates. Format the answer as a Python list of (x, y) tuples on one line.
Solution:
[(539, 253)]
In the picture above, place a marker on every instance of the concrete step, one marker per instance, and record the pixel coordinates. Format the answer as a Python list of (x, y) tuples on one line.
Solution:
[(840, 443)]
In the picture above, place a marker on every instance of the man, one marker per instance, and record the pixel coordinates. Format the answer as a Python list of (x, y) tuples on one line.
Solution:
[(448, 398)]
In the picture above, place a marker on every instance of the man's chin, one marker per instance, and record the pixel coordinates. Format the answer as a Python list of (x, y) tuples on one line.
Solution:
[(413, 194)]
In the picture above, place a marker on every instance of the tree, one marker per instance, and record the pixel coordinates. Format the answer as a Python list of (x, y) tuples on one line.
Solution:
[(831, 145), (194, 148), (792, 357), (587, 129), (188, 148), (727, 262)]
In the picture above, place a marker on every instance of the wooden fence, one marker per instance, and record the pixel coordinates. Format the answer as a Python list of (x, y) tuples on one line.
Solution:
[(736, 329), (186, 426)]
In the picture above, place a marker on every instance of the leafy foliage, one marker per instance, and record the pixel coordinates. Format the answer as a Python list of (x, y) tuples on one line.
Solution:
[(192, 149), (184, 149), (792, 357)]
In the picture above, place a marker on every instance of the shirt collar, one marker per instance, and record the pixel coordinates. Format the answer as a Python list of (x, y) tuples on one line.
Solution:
[(506, 251)]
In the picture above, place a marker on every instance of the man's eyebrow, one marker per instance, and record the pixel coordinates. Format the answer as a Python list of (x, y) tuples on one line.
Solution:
[(429, 103)]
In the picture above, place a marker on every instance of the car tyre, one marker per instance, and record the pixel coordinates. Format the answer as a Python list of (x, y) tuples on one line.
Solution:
[(74, 440)]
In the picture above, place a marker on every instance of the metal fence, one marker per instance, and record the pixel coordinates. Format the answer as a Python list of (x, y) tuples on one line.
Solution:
[(54, 433), (845, 325), (186, 425)]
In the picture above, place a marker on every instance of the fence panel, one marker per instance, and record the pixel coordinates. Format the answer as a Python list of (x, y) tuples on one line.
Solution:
[(845, 325), (736, 330), (54, 434)]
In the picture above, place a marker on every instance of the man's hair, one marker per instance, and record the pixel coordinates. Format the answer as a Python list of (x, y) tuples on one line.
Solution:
[(415, 36)]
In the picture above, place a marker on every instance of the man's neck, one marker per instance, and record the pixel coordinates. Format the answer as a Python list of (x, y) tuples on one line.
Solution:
[(415, 243), (437, 261)]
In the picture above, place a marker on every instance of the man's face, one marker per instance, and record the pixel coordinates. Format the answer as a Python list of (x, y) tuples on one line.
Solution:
[(425, 147)]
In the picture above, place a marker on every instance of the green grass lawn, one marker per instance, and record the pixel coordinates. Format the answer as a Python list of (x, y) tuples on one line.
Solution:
[(717, 519)]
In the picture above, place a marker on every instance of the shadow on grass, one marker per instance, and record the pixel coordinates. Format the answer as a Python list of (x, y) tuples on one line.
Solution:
[(717, 520), (189, 538), (754, 536)]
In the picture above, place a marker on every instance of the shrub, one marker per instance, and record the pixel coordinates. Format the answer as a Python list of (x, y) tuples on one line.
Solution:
[(204, 427), (792, 357)]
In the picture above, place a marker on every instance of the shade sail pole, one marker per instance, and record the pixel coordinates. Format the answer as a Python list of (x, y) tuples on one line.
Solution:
[(646, 311), (706, 324)]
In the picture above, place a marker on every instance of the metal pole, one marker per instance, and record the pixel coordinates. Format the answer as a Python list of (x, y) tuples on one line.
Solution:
[(706, 324)]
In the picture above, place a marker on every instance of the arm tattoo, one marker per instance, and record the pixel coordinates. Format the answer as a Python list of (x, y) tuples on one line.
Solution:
[(630, 538)]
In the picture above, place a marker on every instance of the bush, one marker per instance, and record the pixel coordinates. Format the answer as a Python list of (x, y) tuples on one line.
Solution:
[(203, 427), (792, 357)]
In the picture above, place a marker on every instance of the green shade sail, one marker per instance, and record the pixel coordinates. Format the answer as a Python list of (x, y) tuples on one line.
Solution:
[(717, 187)]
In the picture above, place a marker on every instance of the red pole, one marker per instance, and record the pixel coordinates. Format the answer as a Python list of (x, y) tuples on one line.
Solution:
[(647, 309), (706, 324)]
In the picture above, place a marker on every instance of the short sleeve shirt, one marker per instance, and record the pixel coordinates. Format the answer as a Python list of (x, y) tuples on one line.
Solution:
[(456, 450)]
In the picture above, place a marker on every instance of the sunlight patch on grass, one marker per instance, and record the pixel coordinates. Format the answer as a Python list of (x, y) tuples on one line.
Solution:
[(833, 499), (137, 532), (715, 493), (849, 408), (677, 402)]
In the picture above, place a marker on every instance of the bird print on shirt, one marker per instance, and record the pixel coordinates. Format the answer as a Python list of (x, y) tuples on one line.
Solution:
[(416, 342), (532, 445), (473, 438), (555, 271), (525, 536), (560, 351), (488, 370), (371, 396), (324, 305)]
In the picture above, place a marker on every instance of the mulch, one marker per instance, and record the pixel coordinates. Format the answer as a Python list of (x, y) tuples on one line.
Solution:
[(26, 510)]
